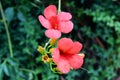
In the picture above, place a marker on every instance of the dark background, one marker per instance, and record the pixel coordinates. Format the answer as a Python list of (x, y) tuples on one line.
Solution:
[(96, 26)]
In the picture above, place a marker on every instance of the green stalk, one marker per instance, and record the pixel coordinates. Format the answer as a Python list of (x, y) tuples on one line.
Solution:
[(59, 6), (47, 44), (7, 31)]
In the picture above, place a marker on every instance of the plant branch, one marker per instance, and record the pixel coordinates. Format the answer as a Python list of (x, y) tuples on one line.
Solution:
[(7, 31)]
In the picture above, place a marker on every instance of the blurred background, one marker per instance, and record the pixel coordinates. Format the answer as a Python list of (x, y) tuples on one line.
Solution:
[(96, 26)]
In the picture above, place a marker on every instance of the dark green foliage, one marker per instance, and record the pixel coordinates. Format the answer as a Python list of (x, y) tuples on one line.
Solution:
[(96, 25)]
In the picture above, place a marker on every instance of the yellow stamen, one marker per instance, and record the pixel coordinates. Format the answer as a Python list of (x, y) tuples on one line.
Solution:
[(82, 55), (55, 26), (71, 68)]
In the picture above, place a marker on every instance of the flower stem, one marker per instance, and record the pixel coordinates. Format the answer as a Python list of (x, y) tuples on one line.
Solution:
[(59, 6), (7, 31), (47, 44)]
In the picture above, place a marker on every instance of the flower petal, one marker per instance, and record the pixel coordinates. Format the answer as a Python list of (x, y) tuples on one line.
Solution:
[(45, 23), (55, 55), (51, 33), (75, 48), (64, 16), (75, 61), (63, 65), (65, 44), (66, 27), (50, 11)]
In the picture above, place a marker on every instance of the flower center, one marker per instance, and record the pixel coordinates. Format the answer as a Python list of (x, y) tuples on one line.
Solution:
[(62, 52), (54, 22)]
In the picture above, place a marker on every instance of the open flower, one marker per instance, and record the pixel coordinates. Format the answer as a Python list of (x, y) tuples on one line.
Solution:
[(55, 23), (66, 57)]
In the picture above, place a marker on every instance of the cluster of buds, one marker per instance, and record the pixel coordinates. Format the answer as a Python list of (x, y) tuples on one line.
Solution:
[(61, 53)]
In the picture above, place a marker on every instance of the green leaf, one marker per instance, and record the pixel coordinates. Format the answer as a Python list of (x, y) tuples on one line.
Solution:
[(1, 72), (9, 14), (21, 17), (38, 70), (30, 76), (6, 70), (12, 62)]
